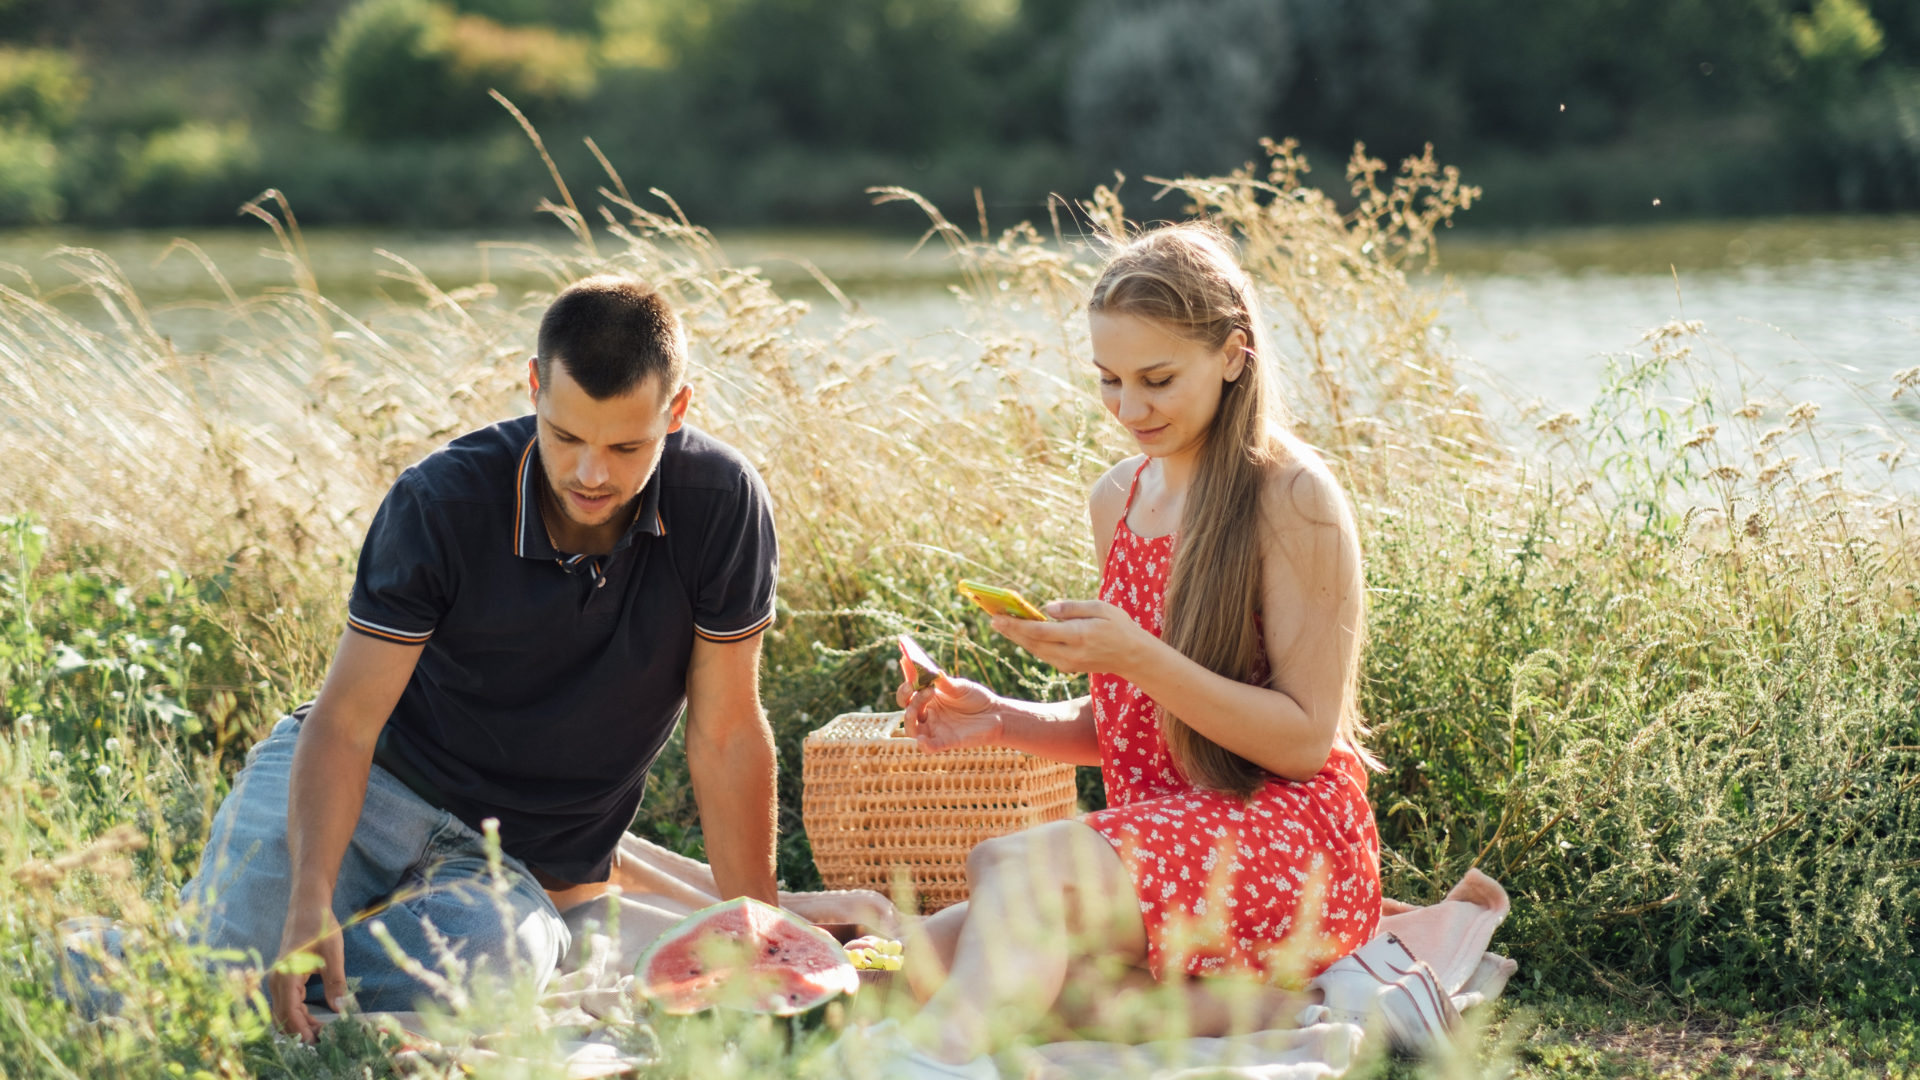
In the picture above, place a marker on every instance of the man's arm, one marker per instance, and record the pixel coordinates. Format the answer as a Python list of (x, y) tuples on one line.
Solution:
[(324, 797), (731, 760)]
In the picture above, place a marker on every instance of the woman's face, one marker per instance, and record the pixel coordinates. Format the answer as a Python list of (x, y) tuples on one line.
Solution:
[(1163, 388)]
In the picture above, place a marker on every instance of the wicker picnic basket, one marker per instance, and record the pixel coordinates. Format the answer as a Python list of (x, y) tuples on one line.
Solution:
[(874, 801)]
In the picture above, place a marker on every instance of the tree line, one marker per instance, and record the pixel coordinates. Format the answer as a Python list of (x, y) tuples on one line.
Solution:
[(171, 111)]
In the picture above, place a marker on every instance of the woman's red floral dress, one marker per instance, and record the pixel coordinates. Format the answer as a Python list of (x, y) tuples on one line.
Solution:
[(1278, 886)]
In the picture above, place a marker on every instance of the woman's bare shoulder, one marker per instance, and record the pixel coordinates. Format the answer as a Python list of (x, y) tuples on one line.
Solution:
[(1108, 500), (1109, 493), (1301, 489)]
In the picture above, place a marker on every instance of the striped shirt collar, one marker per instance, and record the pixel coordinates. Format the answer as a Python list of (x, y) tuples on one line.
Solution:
[(530, 539)]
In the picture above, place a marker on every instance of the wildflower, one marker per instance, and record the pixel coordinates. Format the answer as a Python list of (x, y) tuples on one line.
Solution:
[(113, 746), (136, 672), (56, 756), (176, 631), (1564, 846), (194, 648), (103, 771)]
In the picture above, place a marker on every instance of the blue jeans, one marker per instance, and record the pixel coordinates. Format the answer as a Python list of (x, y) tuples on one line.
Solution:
[(427, 865)]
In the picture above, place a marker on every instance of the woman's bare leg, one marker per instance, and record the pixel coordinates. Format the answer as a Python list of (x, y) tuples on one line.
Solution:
[(930, 946), (1129, 1005), (1040, 899)]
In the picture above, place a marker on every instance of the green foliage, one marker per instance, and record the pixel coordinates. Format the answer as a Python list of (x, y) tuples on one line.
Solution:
[(29, 178), (40, 88), (399, 68), (198, 168), (1840, 32), (1657, 669)]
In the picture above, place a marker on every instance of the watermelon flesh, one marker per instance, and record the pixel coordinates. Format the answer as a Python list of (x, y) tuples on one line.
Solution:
[(744, 955), (919, 667)]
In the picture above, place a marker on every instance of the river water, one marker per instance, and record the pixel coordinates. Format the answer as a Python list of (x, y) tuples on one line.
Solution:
[(1823, 309)]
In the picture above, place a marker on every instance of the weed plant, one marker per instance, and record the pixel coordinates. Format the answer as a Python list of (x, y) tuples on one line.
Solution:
[(1654, 668)]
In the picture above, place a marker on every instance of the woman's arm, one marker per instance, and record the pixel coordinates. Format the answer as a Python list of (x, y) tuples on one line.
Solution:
[(956, 714), (1310, 607)]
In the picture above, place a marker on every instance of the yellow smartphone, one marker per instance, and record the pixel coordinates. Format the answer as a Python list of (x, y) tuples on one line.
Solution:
[(998, 601)]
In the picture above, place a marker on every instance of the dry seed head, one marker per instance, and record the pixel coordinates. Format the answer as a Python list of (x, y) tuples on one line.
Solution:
[(101, 854), (1725, 472), (1803, 413), (1702, 437), (1674, 329), (1558, 423), (1779, 468), (1751, 410), (1905, 380)]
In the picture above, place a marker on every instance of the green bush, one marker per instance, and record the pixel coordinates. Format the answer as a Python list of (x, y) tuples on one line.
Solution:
[(196, 170), (29, 178), (41, 88), (399, 68)]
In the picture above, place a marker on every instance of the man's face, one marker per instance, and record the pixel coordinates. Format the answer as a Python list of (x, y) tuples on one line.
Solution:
[(599, 454)]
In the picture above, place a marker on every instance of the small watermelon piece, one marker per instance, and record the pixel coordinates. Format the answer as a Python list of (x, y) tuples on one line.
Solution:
[(917, 664), (744, 955)]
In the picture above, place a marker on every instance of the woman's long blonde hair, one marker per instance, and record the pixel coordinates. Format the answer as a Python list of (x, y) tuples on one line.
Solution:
[(1185, 278)]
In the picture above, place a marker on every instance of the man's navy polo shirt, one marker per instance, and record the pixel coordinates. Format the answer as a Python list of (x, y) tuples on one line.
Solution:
[(549, 683)]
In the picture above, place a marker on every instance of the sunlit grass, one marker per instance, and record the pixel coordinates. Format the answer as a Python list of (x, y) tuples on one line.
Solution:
[(1648, 669)]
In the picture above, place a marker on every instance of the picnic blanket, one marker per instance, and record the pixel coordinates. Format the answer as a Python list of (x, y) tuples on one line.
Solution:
[(1448, 939)]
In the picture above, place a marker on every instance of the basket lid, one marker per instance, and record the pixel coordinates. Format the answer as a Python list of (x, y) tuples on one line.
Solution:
[(861, 728)]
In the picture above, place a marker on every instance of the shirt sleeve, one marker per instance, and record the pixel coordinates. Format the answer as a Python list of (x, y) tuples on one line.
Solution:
[(741, 565), (403, 584)]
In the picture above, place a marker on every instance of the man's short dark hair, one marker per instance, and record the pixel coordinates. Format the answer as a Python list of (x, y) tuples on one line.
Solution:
[(612, 333)]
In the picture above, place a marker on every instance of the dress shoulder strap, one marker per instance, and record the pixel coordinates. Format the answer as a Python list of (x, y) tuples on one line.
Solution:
[(1134, 488)]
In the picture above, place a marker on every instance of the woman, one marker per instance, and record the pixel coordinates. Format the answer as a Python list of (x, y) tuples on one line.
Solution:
[(1224, 653)]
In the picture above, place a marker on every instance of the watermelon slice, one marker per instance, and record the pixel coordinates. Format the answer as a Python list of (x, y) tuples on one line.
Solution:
[(917, 665), (744, 955)]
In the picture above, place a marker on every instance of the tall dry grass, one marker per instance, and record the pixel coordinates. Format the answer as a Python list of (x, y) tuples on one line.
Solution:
[(1652, 674)]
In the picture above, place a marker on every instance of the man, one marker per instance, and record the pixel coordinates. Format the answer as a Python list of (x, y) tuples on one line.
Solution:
[(534, 604)]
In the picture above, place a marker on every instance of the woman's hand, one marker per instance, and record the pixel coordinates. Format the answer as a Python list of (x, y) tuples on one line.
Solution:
[(952, 714), (1085, 636)]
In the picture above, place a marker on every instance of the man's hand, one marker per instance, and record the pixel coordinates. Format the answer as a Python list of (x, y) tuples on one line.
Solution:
[(730, 759), (325, 794), (310, 945)]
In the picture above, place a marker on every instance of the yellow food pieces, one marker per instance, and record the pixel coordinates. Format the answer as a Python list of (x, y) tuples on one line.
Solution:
[(881, 956)]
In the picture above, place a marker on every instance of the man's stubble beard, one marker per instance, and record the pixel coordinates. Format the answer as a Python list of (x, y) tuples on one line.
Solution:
[(556, 499)]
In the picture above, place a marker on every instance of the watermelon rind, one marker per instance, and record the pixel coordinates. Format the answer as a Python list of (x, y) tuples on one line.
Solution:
[(702, 962)]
